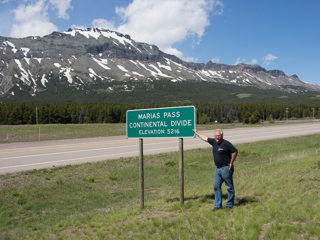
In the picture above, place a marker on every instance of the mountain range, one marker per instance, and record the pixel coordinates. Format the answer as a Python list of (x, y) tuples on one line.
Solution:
[(79, 58)]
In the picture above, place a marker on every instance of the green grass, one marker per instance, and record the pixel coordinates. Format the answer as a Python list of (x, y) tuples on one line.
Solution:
[(277, 197), (18, 133), (243, 95)]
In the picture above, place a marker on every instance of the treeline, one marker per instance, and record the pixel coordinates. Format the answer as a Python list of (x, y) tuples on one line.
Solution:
[(254, 112), (101, 112), (64, 113)]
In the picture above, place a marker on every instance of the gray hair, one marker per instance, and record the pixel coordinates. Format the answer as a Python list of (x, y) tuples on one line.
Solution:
[(218, 130)]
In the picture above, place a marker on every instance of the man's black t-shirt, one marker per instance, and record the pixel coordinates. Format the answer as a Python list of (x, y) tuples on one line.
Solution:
[(222, 152)]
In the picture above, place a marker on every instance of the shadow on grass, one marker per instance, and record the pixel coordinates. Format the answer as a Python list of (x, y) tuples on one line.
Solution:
[(245, 200), (239, 201), (202, 198)]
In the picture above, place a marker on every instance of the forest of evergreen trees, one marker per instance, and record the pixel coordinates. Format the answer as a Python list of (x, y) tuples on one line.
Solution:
[(103, 112)]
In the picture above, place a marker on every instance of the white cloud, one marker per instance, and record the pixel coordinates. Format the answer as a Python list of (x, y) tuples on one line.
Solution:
[(215, 60), (103, 23), (166, 22), (190, 59), (32, 28), (162, 23), (33, 19), (78, 27), (62, 6), (173, 51), (268, 59), (254, 61), (239, 60)]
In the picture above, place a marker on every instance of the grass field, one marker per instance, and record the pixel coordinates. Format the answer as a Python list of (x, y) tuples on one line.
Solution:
[(277, 197), (243, 95), (19, 133)]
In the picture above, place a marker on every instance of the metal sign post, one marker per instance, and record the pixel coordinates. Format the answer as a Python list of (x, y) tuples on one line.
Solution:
[(181, 173), (172, 122), (141, 173)]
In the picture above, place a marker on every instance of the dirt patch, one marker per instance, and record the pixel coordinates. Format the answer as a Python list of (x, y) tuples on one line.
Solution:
[(35, 137), (4, 137), (19, 138)]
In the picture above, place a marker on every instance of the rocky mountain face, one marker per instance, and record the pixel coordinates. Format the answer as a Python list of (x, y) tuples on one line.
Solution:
[(80, 57)]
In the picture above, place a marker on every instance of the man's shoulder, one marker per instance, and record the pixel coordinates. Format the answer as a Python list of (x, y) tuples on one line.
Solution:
[(227, 143), (211, 140)]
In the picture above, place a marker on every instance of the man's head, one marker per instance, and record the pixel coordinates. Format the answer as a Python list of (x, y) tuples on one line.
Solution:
[(218, 136)]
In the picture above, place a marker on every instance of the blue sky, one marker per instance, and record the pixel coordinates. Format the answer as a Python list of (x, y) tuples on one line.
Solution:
[(275, 34)]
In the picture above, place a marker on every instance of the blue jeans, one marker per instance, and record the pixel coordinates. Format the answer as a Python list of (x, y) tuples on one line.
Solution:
[(223, 175)]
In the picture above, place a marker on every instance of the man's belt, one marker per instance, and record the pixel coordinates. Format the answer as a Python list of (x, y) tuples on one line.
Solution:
[(223, 166)]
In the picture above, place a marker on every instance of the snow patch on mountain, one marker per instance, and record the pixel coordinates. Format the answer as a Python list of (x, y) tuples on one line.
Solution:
[(25, 51), (102, 63), (66, 73), (159, 73), (122, 68), (24, 73), (135, 73), (137, 65), (92, 73), (97, 33), (13, 47), (44, 80), (246, 80), (203, 79), (38, 59), (164, 66), (27, 60)]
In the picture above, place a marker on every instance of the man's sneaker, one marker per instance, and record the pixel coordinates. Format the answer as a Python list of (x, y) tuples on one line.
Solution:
[(228, 208), (215, 209)]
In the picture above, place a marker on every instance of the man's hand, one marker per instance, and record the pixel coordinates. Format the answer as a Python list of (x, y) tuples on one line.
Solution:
[(231, 166), (201, 136), (233, 158)]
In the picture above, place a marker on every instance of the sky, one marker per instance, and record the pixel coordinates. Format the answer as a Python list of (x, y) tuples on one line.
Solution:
[(275, 34)]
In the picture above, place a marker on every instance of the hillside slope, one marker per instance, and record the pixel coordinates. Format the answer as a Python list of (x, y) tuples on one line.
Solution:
[(80, 58)]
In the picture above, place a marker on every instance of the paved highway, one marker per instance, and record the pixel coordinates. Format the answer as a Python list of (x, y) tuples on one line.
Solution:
[(15, 157)]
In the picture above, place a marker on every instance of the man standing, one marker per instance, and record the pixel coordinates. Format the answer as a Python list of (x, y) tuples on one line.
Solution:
[(224, 154)]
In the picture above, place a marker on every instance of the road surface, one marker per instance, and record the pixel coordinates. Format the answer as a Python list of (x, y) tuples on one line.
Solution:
[(15, 157)]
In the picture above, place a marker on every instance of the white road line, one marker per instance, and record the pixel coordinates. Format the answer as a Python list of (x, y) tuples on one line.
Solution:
[(235, 135), (145, 145), (31, 164), (88, 150), (119, 154)]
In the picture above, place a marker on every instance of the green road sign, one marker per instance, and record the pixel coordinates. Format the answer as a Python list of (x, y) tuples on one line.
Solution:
[(173, 122)]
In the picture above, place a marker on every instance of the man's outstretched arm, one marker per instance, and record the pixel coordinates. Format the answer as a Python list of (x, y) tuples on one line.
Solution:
[(201, 136)]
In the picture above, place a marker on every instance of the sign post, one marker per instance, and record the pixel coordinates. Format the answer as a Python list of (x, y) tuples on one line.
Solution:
[(181, 172), (141, 173), (172, 122)]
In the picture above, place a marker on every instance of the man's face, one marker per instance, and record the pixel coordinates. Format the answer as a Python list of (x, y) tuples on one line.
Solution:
[(218, 137)]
